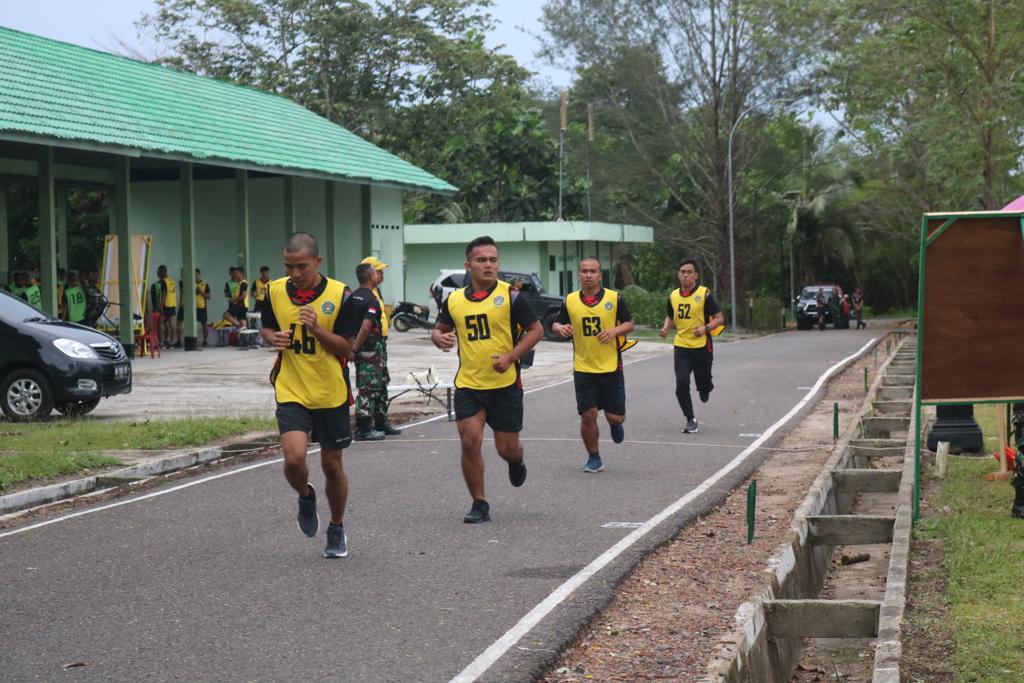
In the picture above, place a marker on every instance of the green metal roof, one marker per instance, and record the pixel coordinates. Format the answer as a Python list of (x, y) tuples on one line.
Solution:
[(62, 94), (536, 231)]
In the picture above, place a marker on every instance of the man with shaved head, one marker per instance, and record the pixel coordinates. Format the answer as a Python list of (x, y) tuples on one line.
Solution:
[(302, 320)]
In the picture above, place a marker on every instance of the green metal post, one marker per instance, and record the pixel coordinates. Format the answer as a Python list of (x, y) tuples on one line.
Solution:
[(47, 232), (5, 253), (289, 206), (330, 229), (186, 183), (835, 421), (920, 361), (242, 219), (61, 217), (751, 507), (865, 379), (122, 205)]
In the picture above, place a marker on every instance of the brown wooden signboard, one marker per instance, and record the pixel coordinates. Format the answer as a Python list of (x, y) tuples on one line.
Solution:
[(971, 312)]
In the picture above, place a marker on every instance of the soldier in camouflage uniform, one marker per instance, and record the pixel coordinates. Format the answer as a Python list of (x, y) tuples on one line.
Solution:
[(362, 315)]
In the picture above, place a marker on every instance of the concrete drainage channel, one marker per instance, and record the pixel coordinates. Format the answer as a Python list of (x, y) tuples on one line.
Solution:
[(125, 476), (837, 586)]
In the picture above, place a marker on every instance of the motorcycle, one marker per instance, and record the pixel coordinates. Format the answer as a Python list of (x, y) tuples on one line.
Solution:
[(408, 315)]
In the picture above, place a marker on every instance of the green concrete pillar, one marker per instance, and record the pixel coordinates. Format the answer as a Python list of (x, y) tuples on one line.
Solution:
[(289, 206), (186, 185), (122, 201), (242, 218), (47, 232), (365, 225), (62, 224), (330, 229), (5, 250)]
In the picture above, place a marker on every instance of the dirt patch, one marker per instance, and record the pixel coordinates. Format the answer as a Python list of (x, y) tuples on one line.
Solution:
[(671, 611), (927, 634)]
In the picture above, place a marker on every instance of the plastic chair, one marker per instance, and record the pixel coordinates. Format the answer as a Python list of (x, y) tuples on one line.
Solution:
[(149, 338)]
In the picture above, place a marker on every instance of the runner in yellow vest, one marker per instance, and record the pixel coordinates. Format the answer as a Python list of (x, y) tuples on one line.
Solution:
[(494, 330), (168, 308), (594, 318), (302, 321), (203, 296), (694, 314)]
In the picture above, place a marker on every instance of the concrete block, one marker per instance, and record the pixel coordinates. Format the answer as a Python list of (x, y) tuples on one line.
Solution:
[(849, 529), (822, 618), (866, 481)]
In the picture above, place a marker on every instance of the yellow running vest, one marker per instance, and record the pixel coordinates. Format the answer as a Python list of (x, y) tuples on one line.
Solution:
[(384, 318), (171, 300), (201, 294), (589, 354), (309, 375), (259, 289), (245, 301), (484, 328), (687, 314)]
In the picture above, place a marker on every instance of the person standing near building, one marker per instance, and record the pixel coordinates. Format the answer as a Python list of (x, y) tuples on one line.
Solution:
[(594, 318), (858, 307), (74, 299), (203, 296), (62, 282), (694, 314), (33, 295), (362, 315), (259, 289), (493, 329), (302, 320), (168, 307), (384, 424)]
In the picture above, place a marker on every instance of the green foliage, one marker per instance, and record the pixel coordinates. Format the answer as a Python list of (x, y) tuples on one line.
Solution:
[(648, 308), (766, 314), (18, 467), (88, 220), (983, 546)]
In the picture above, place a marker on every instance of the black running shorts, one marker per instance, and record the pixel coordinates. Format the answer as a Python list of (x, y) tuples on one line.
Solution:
[(169, 312), (237, 312), (328, 427), (604, 390), (201, 315), (504, 407)]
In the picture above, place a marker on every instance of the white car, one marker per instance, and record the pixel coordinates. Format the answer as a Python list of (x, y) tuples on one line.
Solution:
[(447, 282)]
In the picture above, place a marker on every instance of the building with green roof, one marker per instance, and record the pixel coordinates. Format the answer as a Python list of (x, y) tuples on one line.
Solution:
[(216, 173)]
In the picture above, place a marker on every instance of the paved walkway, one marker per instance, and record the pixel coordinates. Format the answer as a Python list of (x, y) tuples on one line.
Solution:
[(229, 381)]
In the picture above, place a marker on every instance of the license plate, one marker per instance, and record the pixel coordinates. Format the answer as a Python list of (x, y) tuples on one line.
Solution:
[(122, 371)]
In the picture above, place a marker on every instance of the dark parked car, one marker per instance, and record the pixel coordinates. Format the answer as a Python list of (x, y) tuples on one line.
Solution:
[(806, 306), (46, 363)]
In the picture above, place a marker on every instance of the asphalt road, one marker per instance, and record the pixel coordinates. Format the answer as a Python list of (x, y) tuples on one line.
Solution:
[(214, 581)]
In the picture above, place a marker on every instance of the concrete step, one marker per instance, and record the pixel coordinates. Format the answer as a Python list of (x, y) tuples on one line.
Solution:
[(875, 427), (849, 529), (866, 481), (895, 393), (893, 380), (822, 618), (896, 408)]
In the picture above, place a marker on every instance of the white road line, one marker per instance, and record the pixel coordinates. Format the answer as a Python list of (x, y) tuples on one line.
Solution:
[(174, 489), (493, 653)]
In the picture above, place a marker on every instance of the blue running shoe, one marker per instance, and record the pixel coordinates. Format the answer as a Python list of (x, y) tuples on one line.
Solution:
[(309, 523), (337, 541), (594, 465), (618, 433)]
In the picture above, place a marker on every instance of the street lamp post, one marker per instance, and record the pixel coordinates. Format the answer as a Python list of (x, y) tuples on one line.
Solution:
[(732, 238)]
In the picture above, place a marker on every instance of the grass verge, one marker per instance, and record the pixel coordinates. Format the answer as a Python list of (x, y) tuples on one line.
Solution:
[(60, 447), (983, 548)]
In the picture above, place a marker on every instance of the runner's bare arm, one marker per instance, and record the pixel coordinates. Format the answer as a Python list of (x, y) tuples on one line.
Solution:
[(443, 336), (361, 335)]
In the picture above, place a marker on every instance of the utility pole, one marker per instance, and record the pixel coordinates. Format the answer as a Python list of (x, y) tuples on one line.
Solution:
[(561, 147), (590, 140)]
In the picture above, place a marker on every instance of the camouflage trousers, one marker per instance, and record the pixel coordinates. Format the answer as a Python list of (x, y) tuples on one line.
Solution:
[(372, 400)]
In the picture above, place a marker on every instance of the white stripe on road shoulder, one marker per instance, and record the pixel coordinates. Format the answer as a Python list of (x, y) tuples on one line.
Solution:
[(493, 653)]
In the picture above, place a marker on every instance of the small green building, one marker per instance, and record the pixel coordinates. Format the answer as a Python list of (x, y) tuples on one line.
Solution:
[(552, 249), (218, 174)]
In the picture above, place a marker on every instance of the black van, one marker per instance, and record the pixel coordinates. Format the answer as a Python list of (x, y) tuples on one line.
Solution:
[(46, 363)]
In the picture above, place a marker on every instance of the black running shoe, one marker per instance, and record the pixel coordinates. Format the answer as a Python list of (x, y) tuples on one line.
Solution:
[(309, 523), (517, 473), (618, 432), (704, 396), (480, 512), (389, 430)]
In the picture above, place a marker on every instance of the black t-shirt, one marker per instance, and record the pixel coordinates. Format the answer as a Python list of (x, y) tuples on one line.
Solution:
[(522, 314), (623, 314), (269, 319), (361, 305)]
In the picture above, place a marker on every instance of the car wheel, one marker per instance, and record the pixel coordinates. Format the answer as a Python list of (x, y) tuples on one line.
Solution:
[(549, 334), (77, 408), (400, 323), (25, 395)]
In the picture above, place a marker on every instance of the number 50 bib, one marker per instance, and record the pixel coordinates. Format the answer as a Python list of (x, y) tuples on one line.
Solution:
[(484, 329)]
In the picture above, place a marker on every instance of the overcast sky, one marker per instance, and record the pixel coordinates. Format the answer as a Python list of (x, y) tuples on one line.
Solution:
[(103, 23)]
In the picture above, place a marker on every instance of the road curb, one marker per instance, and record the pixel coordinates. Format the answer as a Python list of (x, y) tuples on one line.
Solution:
[(50, 493)]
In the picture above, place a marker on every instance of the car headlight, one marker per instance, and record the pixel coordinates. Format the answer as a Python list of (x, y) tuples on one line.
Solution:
[(75, 349)]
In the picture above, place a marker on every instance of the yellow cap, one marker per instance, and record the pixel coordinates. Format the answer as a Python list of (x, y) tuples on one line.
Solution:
[(375, 262)]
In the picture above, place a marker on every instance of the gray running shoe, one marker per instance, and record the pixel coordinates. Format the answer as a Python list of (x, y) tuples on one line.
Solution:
[(691, 426), (309, 523), (337, 541), (480, 512), (593, 465)]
